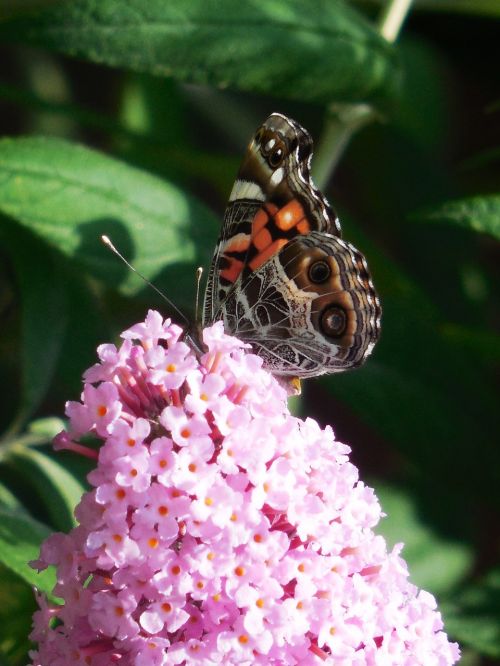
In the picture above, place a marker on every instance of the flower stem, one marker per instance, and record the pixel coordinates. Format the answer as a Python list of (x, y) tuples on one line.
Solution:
[(344, 120)]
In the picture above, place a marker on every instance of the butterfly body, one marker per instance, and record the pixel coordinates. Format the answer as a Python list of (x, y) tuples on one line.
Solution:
[(281, 277)]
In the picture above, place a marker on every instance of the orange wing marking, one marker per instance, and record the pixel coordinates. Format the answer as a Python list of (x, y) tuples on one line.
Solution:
[(266, 254), (262, 217), (286, 218), (232, 266), (232, 271), (262, 239), (259, 221), (303, 227), (290, 215)]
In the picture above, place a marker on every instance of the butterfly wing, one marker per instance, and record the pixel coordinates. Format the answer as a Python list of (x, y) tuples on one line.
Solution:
[(273, 201), (282, 278), (310, 309)]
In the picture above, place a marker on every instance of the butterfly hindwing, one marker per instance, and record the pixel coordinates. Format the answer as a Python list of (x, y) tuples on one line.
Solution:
[(309, 310)]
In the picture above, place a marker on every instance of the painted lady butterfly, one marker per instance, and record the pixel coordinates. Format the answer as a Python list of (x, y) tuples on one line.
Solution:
[(281, 277)]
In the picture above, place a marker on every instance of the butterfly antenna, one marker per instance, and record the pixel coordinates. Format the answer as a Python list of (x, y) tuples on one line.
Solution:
[(109, 244), (199, 273)]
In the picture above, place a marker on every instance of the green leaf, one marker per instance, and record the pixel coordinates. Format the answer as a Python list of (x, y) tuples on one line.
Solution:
[(160, 147), (435, 564), (43, 295), (59, 490), (69, 196), (472, 618), (311, 50), (90, 323), (8, 500), (47, 427), (477, 213), (20, 539)]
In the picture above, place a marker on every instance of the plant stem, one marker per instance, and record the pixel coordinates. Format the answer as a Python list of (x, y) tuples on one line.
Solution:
[(344, 120), (393, 17), (489, 8)]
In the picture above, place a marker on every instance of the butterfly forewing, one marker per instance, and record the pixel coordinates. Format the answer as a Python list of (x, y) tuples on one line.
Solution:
[(272, 201)]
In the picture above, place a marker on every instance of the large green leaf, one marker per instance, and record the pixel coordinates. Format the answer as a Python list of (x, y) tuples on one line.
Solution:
[(315, 50), (69, 196), (477, 213), (20, 539)]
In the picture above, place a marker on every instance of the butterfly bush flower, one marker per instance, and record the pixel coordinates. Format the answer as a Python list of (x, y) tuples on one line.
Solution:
[(219, 527)]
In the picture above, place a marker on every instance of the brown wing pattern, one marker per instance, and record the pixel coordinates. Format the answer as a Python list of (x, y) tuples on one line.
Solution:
[(272, 201), (311, 309), (282, 278)]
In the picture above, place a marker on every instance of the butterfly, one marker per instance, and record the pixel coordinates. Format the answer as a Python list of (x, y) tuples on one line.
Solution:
[(282, 278)]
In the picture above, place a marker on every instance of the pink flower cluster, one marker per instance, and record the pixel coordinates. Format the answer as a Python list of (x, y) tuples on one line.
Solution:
[(220, 529)]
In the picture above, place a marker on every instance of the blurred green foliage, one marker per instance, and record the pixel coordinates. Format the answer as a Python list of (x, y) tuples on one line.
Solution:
[(128, 118)]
